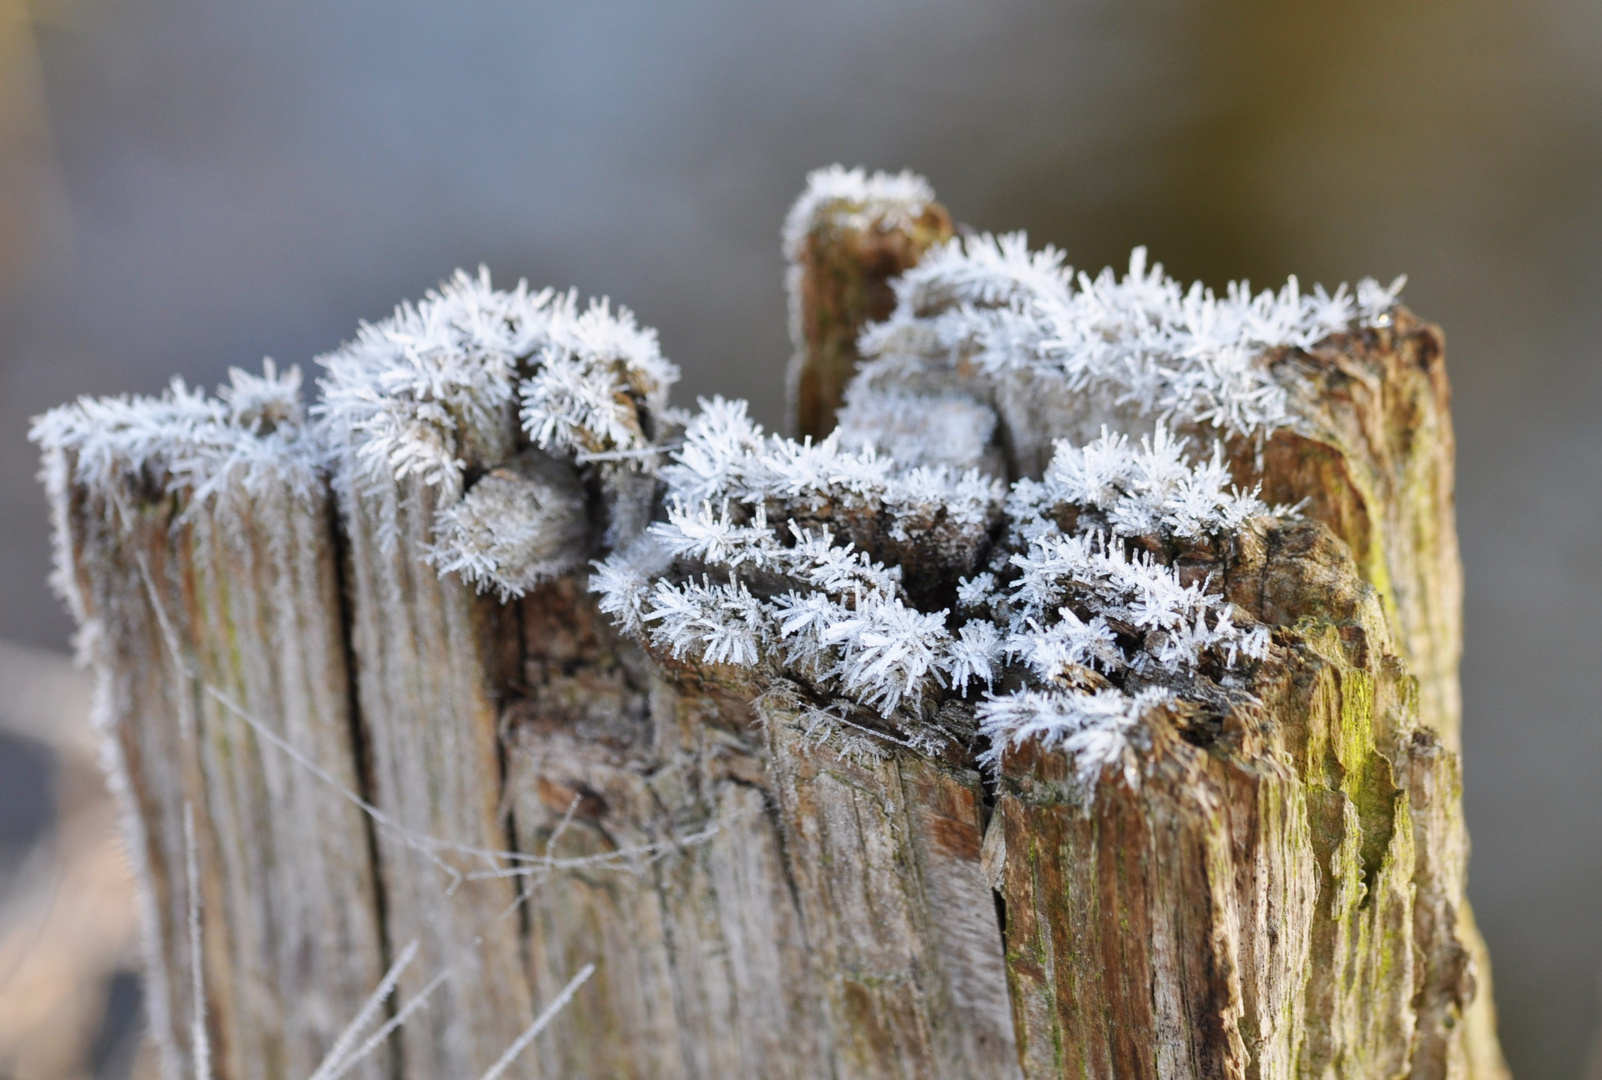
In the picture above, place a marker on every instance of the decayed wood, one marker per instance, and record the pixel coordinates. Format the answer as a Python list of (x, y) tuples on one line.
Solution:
[(198, 613), (1271, 887), (653, 774), (1273, 894), (902, 934), (1370, 453), (1374, 460)]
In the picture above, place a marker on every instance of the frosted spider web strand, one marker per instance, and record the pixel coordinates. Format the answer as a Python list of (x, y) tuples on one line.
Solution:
[(540, 1023), (338, 1053), (200, 1040)]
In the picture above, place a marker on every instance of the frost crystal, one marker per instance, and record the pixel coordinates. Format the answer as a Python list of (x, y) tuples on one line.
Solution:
[(252, 432), (470, 377), (770, 541), (428, 390), (853, 199), (792, 559), (514, 528), (922, 429), (1139, 342), (1093, 729), (247, 443)]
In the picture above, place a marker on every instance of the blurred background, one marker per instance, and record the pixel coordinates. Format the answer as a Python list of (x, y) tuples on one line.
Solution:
[(187, 185)]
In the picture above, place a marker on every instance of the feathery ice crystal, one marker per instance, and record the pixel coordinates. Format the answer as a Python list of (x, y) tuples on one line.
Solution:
[(252, 432), (828, 566), (248, 443), (1139, 342), (775, 555), (471, 377), (855, 199)]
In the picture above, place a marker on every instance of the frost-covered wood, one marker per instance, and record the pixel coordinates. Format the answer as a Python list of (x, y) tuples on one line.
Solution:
[(195, 544), (1082, 703), (846, 238)]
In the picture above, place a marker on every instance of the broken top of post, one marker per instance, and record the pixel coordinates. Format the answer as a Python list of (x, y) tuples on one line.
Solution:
[(1062, 615)]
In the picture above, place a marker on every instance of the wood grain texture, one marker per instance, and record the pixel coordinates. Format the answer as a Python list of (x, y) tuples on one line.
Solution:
[(839, 281), (902, 933), (654, 772), (428, 664), (1273, 893), (200, 613)]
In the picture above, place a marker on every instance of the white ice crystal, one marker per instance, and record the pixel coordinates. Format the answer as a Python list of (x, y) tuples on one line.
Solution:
[(854, 199), (761, 584), (1149, 488), (516, 527), (1155, 348), (242, 445), (252, 432), (919, 429), (1092, 728), (726, 456), (431, 388), (460, 382), (736, 575)]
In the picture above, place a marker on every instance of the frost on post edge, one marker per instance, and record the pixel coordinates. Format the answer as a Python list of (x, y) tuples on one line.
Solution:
[(505, 402), (877, 576), (827, 568), (1070, 614), (852, 198), (1061, 354), (126, 450)]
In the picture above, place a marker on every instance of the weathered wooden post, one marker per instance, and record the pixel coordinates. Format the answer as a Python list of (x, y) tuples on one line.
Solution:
[(1084, 704)]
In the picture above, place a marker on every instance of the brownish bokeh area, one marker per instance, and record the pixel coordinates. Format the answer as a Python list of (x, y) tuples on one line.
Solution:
[(187, 185)]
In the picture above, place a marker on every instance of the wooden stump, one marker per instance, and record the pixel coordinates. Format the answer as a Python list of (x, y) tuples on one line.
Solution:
[(771, 874)]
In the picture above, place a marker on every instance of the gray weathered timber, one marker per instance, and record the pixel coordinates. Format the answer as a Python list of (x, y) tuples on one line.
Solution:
[(427, 663), (198, 613), (902, 936), (653, 775)]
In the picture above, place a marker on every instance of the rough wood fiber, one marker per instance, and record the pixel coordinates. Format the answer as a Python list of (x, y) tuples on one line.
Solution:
[(1274, 893), (428, 665), (902, 933), (246, 594), (654, 773), (1373, 460), (1370, 453), (839, 281)]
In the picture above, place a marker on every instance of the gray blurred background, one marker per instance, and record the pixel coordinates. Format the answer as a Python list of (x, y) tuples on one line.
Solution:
[(191, 184)]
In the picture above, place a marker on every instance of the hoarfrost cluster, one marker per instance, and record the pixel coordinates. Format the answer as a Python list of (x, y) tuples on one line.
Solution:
[(247, 443), (881, 573), (470, 378), (1140, 341), (427, 391), (775, 555), (855, 199), (252, 432)]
